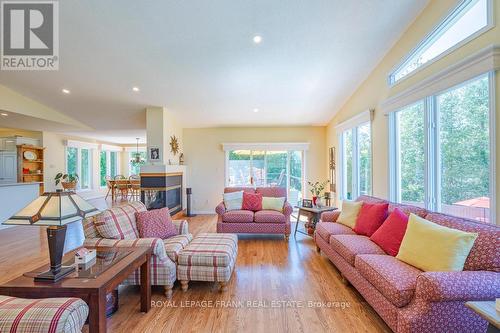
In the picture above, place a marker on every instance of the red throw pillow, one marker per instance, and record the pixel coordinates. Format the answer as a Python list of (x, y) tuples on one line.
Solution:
[(391, 233), (252, 201), (370, 218), (155, 223)]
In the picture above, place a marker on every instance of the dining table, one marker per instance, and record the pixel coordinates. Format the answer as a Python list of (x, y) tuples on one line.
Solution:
[(117, 183)]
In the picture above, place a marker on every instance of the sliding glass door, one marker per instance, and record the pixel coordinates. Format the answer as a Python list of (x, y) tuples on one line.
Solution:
[(273, 168)]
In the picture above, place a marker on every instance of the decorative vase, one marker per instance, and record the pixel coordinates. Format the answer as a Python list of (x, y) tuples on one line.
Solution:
[(314, 200), (310, 230)]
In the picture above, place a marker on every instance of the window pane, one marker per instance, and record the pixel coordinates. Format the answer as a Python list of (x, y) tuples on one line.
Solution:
[(71, 160), (365, 160), (113, 164), (258, 168), (348, 156), (464, 150), (135, 169), (276, 168), (103, 168), (239, 168), (465, 23), (411, 158), (295, 193), (85, 169)]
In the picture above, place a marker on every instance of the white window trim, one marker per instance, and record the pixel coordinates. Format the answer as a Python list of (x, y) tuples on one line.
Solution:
[(359, 119), (266, 146), (79, 146), (105, 147), (432, 157), (425, 41)]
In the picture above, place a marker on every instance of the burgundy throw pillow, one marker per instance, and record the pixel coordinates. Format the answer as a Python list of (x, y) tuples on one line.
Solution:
[(252, 201), (391, 233), (370, 218), (155, 223)]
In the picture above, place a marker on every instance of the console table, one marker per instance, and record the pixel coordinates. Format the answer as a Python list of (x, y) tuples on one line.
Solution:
[(113, 265), (313, 214)]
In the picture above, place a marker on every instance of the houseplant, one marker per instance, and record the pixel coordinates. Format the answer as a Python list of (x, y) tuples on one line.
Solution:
[(316, 189), (68, 181)]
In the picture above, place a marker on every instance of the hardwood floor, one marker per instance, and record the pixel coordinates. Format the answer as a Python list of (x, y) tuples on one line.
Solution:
[(270, 289)]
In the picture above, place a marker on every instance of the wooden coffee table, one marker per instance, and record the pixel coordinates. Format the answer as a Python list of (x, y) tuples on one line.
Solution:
[(91, 285)]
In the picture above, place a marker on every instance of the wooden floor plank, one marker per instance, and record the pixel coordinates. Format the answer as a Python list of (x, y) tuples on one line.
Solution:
[(268, 270)]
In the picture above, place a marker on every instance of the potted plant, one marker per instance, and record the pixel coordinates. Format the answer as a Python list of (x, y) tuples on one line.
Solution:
[(68, 181), (316, 189)]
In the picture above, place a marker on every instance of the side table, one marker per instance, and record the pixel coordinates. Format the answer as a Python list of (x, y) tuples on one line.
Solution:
[(313, 215)]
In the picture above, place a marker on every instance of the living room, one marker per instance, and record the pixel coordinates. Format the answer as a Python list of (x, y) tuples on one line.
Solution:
[(249, 166)]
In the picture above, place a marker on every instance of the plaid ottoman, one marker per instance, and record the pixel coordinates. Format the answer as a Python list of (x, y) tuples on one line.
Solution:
[(209, 257)]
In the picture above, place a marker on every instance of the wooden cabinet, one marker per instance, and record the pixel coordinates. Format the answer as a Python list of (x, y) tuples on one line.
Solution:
[(8, 168), (30, 166)]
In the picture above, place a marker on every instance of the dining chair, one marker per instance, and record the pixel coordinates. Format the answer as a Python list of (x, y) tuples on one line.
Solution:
[(111, 187), (122, 186), (135, 187)]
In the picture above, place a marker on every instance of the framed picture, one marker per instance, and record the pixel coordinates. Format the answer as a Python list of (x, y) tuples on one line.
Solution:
[(154, 154), (306, 203)]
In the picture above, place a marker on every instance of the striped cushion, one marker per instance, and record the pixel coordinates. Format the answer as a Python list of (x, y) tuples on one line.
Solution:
[(175, 244), (119, 222), (211, 250), (205, 273), (51, 315)]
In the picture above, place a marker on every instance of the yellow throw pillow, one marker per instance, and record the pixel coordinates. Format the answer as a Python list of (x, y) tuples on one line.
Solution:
[(432, 247), (271, 203), (349, 212)]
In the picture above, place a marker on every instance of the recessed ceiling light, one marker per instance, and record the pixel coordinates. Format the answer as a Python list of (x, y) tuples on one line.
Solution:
[(3, 114), (255, 110), (257, 39), (66, 91), (135, 89)]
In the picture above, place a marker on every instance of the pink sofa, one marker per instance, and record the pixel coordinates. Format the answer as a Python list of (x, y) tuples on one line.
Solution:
[(260, 222), (407, 299)]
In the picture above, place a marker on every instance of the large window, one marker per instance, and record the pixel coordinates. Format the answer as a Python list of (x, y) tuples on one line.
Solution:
[(468, 20), (109, 165), (441, 156), (280, 168), (79, 161), (356, 158)]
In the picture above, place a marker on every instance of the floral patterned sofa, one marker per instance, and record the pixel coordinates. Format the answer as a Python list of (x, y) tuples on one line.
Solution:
[(260, 222), (165, 252), (407, 299)]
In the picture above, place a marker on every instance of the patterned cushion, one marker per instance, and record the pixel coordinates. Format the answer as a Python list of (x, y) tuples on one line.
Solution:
[(238, 216), (408, 209), (208, 249), (331, 216), (349, 246), (52, 315), (326, 229), (276, 192), (269, 216), (155, 223), (155, 244), (487, 243), (175, 244), (163, 273), (252, 201), (119, 222), (205, 273), (392, 278)]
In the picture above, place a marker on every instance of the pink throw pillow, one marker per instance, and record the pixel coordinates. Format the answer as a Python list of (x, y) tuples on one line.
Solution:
[(370, 218), (155, 223), (391, 233), (252, 201)]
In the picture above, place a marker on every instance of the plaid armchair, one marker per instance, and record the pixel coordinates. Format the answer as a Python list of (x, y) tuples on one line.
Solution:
[(119, 226), (46, 315)]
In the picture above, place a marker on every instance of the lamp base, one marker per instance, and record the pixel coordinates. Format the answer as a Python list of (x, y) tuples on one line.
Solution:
[(49, 276)]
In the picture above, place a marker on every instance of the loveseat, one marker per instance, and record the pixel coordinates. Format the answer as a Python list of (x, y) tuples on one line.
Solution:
[(260, 222), (407, 299), (123, 223)]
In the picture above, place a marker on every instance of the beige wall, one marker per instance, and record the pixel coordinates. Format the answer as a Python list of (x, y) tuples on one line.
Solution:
[(161, 125), (206, 159), (374, 90), (5, 132)]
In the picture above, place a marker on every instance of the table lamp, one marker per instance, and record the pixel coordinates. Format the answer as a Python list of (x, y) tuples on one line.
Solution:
[(54, 210)]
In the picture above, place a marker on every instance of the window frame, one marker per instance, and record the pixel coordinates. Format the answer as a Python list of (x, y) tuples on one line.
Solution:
[(441, 27), (79, 165), (353, 124), (108, 164), (432, 149)]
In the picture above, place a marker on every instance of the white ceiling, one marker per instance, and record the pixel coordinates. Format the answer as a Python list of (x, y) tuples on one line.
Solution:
[(197, 59)]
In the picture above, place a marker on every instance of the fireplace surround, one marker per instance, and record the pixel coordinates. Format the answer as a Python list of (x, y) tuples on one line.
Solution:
[(159, 190)]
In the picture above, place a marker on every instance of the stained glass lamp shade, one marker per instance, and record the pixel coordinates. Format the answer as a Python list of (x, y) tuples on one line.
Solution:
[(55, 210)]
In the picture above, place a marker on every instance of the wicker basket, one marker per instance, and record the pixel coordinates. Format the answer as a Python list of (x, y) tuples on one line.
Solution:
[(68, 185)]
